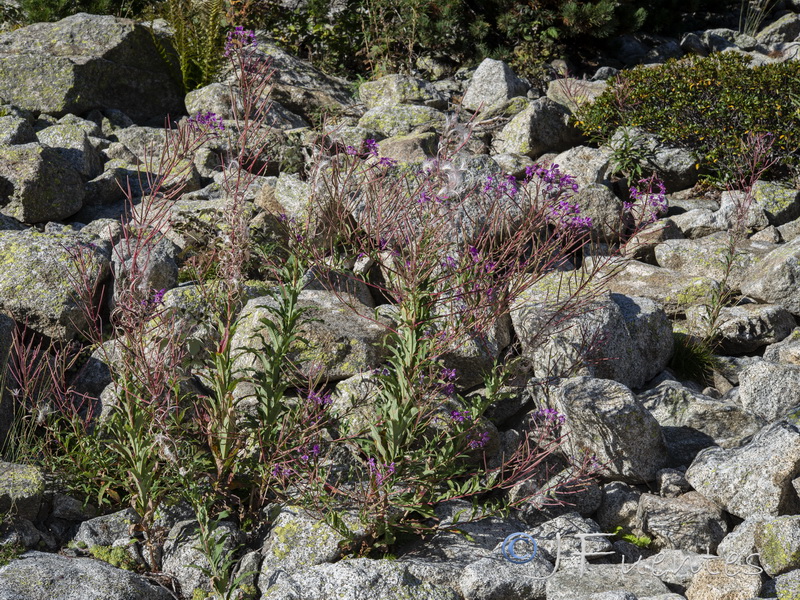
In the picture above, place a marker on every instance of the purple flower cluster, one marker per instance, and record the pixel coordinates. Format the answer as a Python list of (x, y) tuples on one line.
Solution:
[(449, 262), (501, 185), (282, 471), (239, 38), (649, 200), (319, 399), (158, 298), (548, 415), (313, 451), (448, 377), (555, 181), (207, 120), (380, 474), (480, 441), (369, 147), (566, 214), (459, 416)]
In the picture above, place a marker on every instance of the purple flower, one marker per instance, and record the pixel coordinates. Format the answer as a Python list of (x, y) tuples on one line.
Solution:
[(207, 120), (351, 150), (380, 474), (319, 399), (370, 147), (158, 297), (548, 415), (387, 162), (648, 199), (239, 38), (474, 253), (480, 441), (449, 262), (281, 471), (459, 416)]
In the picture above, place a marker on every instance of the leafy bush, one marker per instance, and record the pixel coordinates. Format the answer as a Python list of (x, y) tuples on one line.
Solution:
[(37, 11), (706, 104), (199, 36)]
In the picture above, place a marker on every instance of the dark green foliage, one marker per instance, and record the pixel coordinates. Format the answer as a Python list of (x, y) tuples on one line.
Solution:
[(327, 35), (199, 38), (706, 104), (692, 359), (37, 11)]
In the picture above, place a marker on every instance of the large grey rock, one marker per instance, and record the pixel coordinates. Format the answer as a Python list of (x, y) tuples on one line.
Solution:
[(542, 127), (495, 578), (184, 558), (605, 419), (691, 421), (297, 541), (777, 541), (573, 93), (707, 257), (786, 351), (769, 390), (492, 83), (40, 576), (610, 336), (689, 522), (15, 130), (354, 579), (698, 222), (564, 539), (755, 479), (152, 266), (671, 289), (300, 87), (717, 579), (618, 507), (740, 544), (107, 530), (785, 29), (602, 206), (37, 277), (21, 489), (38, 184), (574, 585), (340, 342), (72, 142), (389, 121), (587, 165), (774, 279), (392, 90), (674, 166), (87, 62), (218, 98), (743, 328), (781, 204)]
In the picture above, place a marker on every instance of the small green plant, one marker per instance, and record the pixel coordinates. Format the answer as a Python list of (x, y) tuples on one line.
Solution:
[(752, 14), (640, 541), (707, 105), (692, 359), (629, 154), (9, 552), (116, 556)]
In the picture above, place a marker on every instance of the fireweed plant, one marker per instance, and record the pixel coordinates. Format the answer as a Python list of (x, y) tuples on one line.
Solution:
[(755, 158), (453, 256)]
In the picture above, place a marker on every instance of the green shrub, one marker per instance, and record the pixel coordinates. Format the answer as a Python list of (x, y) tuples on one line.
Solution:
[(37, 11), (706, 104), (199, 37)]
